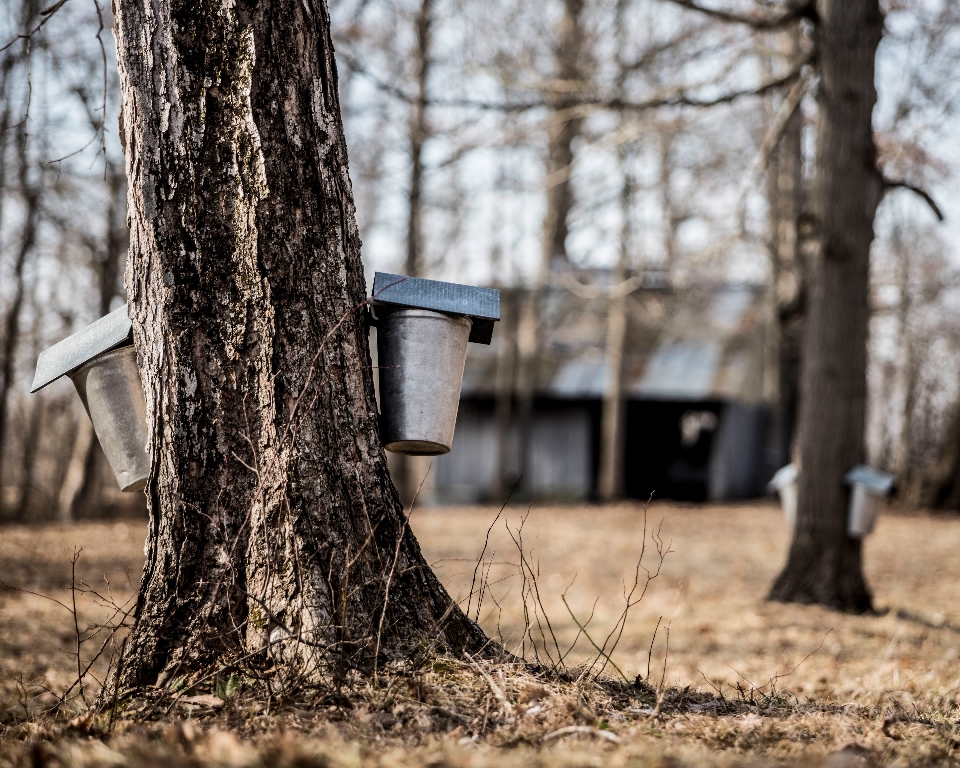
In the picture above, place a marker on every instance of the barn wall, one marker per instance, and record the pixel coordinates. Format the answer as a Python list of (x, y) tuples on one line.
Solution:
[(738, 462), (561, 458)]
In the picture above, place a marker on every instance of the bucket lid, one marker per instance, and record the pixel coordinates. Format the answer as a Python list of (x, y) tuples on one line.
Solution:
[(482, 305), (783, 477), (874, 480), (100, 336)]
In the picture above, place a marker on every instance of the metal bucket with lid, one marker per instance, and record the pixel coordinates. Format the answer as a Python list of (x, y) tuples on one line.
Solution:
[(423, 327), (102, 363), (784, 483), (421, 354), (869, 487), (110, 388)]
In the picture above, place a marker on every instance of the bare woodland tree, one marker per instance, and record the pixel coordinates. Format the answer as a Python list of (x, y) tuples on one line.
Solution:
[(610, 476), (824, 564), (405, 467), (30, 189), (274, 527), (55, 93), (564, 125), (786, 196)]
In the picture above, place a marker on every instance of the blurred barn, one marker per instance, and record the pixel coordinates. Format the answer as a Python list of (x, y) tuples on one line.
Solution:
[(697, 419)]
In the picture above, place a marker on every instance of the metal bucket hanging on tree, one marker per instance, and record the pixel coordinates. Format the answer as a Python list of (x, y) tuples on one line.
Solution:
[(870, 486), (102, 363), (423, 327), (784, 483)]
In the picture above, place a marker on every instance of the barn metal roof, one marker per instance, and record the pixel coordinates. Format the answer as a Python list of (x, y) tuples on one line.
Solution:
[(698, 344)]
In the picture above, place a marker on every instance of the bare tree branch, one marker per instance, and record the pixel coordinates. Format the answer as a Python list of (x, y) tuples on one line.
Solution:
[(922, 193), (790, 105), (46, 14), (670, 99), (758, 19)]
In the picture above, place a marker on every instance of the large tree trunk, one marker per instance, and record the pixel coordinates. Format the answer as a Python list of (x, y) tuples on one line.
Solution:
[(824, 565), (274, 528)]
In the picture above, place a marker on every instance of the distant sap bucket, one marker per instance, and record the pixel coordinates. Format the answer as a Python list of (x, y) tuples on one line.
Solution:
[(870, 486), (784, 482), (110, 388), (421, 358), (863, 513)]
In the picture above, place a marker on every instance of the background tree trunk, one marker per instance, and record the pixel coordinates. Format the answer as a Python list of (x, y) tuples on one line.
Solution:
[(30, 192), (407, 470), (274, 527), (563, 128), (824, 565), (785, 194), (503, 395), (82, 492), (612, 417)]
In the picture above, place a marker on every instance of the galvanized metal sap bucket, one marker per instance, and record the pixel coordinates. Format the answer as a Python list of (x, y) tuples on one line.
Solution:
[(423, 327), (784, 482), (102, 364), (870, 486), (421, 354), (110, 388)]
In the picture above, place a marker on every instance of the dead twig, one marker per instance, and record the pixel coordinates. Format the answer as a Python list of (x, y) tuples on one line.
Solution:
[(76, 620), (498, 694), (486, 543), (663, 676)]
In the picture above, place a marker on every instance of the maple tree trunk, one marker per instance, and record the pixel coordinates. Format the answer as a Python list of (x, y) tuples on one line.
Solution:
[(824, 565), (275, 532)]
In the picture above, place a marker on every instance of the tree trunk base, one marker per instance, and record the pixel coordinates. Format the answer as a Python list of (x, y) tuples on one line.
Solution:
[(831, 578)]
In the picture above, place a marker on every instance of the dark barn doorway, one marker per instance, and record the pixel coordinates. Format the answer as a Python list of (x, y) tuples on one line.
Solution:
[(668, 449)]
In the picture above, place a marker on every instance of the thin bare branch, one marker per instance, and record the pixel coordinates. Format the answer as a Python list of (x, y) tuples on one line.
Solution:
[(46, 14), (761, 19), (919, 191)]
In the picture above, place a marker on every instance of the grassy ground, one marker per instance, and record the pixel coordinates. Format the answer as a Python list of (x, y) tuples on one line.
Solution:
[(742, 679)]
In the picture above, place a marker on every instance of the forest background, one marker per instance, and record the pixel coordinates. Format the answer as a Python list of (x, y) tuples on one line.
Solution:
[(489, 143)]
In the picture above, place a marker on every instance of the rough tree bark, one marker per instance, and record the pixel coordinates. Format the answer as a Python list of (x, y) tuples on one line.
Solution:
[(274, 528), (824, 565)]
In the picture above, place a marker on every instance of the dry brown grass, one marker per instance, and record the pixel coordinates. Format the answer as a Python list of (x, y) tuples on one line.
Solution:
[(877, 688)]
